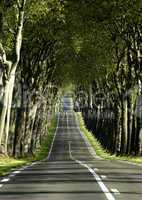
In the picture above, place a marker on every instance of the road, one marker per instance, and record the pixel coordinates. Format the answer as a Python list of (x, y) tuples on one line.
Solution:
[(72, 171)]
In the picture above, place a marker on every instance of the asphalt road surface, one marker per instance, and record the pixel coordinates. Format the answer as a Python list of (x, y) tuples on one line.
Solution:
[(72, 171)]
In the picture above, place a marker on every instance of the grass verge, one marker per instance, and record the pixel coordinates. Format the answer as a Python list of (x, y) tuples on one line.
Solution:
[(7, 163), (100, 151), (42, 152)]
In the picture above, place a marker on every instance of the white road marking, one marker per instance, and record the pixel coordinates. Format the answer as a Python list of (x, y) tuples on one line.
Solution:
[(53, 139), (115, 191), (23, 168), (103, 187), (35, 163), (96, 169), (16, 172), (11, 175), (5, 180), (96, 176), (32, 164), (103, 177), (1, 185)]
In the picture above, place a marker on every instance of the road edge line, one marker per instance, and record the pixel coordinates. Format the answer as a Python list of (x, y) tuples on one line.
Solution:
[(103, 187)]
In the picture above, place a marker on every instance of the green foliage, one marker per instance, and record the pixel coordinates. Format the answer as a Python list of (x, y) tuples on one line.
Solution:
[(76, 41), (8, 164), (99, 150)]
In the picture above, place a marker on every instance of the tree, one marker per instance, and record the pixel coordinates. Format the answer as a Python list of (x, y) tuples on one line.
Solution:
[(10, 70)]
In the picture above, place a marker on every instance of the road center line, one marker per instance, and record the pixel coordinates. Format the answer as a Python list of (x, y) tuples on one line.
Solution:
[(96, 176)]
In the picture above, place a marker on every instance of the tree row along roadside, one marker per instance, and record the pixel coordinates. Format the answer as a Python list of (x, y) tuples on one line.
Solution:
[(7, 164), (98, 148), (48, 44)]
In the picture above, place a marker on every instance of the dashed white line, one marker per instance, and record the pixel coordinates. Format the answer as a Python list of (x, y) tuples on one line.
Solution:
[(23, 168), (115, 191), (103, 177), (32, 164), (5, 180), (16, 172), (35, 163), (1, 185), (96, 169)]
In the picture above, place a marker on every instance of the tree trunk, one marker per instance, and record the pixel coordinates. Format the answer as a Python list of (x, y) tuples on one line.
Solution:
[(30, 119), (124, 120), (16, 133), (132, 100), (3, 114), (129, 124), (90, 100), (31, 132), (117, 136), (7, 124), (140, 141)]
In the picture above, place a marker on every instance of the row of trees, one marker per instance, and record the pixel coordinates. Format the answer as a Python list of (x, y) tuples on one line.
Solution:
[(108, 45), (96, 45), (30, 38)]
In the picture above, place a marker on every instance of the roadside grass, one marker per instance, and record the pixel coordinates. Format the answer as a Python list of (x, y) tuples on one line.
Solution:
[(42, 152), (8, 164), (100, 151)]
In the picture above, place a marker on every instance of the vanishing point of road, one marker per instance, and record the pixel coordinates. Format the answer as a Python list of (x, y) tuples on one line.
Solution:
[(72, 171)]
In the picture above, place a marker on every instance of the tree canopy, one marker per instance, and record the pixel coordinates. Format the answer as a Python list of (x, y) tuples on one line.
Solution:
[(48, 44)]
